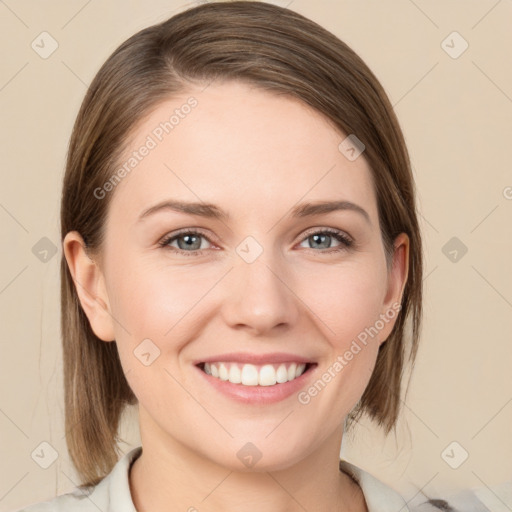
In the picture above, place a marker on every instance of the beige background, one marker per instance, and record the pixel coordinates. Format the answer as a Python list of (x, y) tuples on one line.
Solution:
[(456, 114)]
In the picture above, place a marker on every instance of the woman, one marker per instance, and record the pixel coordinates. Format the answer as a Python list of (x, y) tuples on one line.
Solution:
[(241, 254)]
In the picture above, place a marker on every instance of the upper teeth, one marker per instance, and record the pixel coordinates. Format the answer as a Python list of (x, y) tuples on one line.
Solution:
[(254, 375)]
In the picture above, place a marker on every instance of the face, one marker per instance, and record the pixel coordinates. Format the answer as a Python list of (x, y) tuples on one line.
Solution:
[(256, 280)]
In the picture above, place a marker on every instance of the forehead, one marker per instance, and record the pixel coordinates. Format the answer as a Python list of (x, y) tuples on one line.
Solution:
[(243, 148)]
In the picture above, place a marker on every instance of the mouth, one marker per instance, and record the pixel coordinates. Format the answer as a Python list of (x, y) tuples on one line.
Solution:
[(247, 374)]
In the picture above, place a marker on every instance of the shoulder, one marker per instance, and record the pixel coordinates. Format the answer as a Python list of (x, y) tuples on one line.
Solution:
[(99, 497), (379, 497), (73, 501)]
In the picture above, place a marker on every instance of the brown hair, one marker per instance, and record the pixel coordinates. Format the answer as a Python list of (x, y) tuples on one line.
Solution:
[(272, 48)]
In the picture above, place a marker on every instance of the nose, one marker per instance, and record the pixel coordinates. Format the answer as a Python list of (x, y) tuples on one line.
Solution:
[(259, 298)]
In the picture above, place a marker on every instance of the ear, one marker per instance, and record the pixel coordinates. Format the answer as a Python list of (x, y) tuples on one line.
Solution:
[(397, 279), (90, 286)]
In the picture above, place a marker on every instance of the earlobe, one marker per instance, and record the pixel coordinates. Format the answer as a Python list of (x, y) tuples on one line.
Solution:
[(90, 286)]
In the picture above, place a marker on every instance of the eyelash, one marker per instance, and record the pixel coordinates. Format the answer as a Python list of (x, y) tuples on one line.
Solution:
[(338, 235)]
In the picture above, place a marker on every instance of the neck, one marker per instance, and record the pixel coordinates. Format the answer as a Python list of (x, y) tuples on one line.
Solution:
[(171, 476)]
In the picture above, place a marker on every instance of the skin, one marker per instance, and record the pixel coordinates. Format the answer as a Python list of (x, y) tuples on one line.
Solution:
[(255, 155)]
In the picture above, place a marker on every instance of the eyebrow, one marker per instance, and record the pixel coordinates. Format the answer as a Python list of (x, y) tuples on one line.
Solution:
[(209, 210)]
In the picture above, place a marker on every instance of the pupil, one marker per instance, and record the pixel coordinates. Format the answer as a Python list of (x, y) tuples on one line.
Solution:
[(189, 241), (325, 237)]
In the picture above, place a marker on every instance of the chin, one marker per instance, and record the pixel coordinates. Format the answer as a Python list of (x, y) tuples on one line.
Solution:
[(258, 455)]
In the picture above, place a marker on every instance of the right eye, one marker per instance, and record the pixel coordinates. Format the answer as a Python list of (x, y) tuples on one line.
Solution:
[(188, 242)]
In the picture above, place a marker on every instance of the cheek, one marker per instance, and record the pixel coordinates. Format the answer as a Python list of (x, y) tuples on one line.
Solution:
[(347, 300), (150, 299), (347, 306), (157, 310), (151, 312)]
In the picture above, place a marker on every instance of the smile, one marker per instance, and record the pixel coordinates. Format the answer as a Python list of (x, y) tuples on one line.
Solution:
[(253, 374)]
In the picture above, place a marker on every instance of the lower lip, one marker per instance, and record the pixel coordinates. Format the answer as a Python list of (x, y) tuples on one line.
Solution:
[(259, 394)]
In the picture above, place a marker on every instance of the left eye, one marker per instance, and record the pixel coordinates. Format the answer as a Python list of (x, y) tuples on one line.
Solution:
[(324, 238)]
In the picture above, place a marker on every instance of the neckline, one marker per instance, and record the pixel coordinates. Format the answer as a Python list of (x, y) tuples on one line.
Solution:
[(377, 495)]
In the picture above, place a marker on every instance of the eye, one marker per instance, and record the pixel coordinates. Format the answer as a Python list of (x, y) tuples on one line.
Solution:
[(322, 239), (187, 242), (190, 242)]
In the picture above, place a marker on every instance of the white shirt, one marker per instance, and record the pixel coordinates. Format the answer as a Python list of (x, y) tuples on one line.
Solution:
[(483, 499), (112, 494)]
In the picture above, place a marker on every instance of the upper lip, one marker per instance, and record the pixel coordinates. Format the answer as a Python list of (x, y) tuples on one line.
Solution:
[(239, 357)]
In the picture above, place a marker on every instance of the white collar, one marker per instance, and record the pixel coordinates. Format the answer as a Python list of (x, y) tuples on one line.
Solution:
[(378, 496)]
